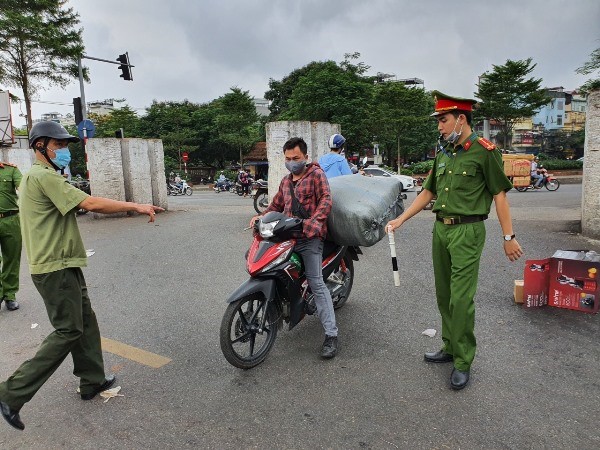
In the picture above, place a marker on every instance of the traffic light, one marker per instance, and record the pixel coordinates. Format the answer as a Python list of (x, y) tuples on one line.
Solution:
[(77, 109), (125, 67)]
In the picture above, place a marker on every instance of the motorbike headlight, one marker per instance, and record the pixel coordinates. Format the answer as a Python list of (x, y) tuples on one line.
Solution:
[(281, 258), (266, 229)]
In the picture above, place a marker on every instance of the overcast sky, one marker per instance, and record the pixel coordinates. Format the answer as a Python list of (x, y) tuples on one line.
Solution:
[(197, 50)]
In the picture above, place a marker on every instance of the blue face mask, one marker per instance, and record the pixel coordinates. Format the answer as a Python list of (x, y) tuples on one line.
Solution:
[(62, 158)]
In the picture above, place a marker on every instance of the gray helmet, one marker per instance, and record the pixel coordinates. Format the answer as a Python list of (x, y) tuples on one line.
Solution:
[(49, 129)]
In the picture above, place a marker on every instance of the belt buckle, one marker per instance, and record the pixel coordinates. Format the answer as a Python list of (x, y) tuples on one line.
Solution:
[(448, 220)]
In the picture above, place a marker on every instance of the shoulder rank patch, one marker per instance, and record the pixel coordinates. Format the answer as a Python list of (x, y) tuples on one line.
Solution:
[(486, 144), (2, 164)]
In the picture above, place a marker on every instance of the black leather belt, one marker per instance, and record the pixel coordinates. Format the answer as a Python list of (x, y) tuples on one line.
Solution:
[(8, 213), (456, 220)]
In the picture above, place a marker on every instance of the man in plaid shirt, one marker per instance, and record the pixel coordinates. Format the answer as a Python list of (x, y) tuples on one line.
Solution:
[(311, 189)]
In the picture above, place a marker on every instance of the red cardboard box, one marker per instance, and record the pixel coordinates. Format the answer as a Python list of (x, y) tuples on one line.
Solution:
[(567, 280)]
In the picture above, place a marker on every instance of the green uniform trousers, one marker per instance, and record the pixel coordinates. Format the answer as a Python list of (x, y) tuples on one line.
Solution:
[(456, 252), (10, 246), (75, 332)]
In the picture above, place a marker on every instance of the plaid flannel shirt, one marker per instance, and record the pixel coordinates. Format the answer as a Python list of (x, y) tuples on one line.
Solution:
[(312, 191)]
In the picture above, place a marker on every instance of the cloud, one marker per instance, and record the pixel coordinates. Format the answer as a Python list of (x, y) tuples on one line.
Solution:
[(198, 50)]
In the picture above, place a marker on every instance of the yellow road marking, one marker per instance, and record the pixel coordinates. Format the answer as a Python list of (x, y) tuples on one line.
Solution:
[(134, 354)]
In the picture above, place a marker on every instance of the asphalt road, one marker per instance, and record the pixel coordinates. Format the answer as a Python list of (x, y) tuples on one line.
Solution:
[(162, 288)]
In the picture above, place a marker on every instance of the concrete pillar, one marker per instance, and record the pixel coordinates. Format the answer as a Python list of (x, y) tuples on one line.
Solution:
[(156, 156), (590, 199), (316, 135), (23, 158), (106, 170), (136, 170)]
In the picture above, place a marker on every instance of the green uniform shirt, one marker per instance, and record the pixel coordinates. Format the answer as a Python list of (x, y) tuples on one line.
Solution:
[(465, 181), (10, 178), (48, 222)]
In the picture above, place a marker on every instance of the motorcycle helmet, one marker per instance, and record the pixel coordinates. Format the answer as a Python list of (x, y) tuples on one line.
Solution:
[(336, 141), (49, 129)]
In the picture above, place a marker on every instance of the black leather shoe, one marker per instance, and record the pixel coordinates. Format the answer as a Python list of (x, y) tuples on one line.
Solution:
[(459, 379), (438, 357), (11, 416), (11, 305), (330, 347), (108, 382)]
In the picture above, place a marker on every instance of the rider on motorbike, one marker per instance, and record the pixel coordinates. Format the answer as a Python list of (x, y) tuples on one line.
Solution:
[(539, 178), (305, 194), (333, 163)]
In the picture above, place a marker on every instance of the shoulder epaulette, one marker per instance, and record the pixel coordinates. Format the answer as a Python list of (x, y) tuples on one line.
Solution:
[(2, 164), (486, 144)]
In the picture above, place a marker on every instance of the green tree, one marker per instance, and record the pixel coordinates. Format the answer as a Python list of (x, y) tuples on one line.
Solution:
[(237, 123), (330, 93), (400, 119), (39, 43), (508, 96), (174, 123), (125, 118), (591, 66)]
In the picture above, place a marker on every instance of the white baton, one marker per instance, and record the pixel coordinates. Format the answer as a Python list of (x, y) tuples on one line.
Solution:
[(394, 260)]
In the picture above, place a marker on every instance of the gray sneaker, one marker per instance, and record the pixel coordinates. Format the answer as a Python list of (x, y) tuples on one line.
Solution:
[(330, 347)]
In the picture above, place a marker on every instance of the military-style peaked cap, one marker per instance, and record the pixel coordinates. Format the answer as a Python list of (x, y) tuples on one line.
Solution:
[(445, 104)]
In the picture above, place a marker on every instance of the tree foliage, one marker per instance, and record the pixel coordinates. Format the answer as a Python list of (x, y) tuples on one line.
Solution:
[(39, 45), (508, 96), (400, 120), (591, 66)]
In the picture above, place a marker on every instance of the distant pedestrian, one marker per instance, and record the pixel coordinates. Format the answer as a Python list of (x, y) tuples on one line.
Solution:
[(333, 163), (10, 235), (56, 255)]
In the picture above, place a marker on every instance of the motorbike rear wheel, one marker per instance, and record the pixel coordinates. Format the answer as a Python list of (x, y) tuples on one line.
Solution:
[(243, 343), (552, 185), (347, 278), (261, 201), (521, 188)]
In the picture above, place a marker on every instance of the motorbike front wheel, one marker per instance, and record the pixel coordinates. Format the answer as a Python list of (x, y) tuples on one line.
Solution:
[(261, 201), (188, 191), (552, 185), (248, 331)]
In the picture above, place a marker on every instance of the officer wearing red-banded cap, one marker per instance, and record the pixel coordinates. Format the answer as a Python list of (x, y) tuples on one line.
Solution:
[(467, 175)]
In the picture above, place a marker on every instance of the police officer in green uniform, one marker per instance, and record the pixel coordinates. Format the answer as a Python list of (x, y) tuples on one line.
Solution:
[(467, 175), (10, 235), (56, 255)]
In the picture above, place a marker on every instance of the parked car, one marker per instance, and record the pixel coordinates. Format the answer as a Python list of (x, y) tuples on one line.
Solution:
[(408, 183)]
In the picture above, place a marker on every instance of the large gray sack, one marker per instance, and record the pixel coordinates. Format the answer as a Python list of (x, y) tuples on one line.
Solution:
[(362, 206)]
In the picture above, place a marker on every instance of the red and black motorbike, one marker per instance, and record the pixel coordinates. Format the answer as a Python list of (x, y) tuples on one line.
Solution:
[(278, 290), (549, 182)]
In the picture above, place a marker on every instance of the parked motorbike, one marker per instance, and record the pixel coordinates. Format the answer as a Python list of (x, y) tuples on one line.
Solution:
[(223, 186), (205, 180), (420, 181), (260, 193), (83, 185), (549, 182), (278, 290), (178, 189)]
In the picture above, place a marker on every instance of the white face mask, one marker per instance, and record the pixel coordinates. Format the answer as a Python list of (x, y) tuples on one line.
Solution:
[(454, 137)]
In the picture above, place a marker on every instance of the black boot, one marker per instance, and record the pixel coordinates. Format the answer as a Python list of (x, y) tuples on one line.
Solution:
[(11, 416), (11, 305), (459, 379), (330, 347), (438, 357)]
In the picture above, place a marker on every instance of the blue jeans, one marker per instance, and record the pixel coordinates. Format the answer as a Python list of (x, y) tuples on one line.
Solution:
[(311, 251), (538, 179)]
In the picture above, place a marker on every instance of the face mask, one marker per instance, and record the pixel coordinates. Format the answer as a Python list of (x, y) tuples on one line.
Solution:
[(454, 136), (296, 167), (62, 158)]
